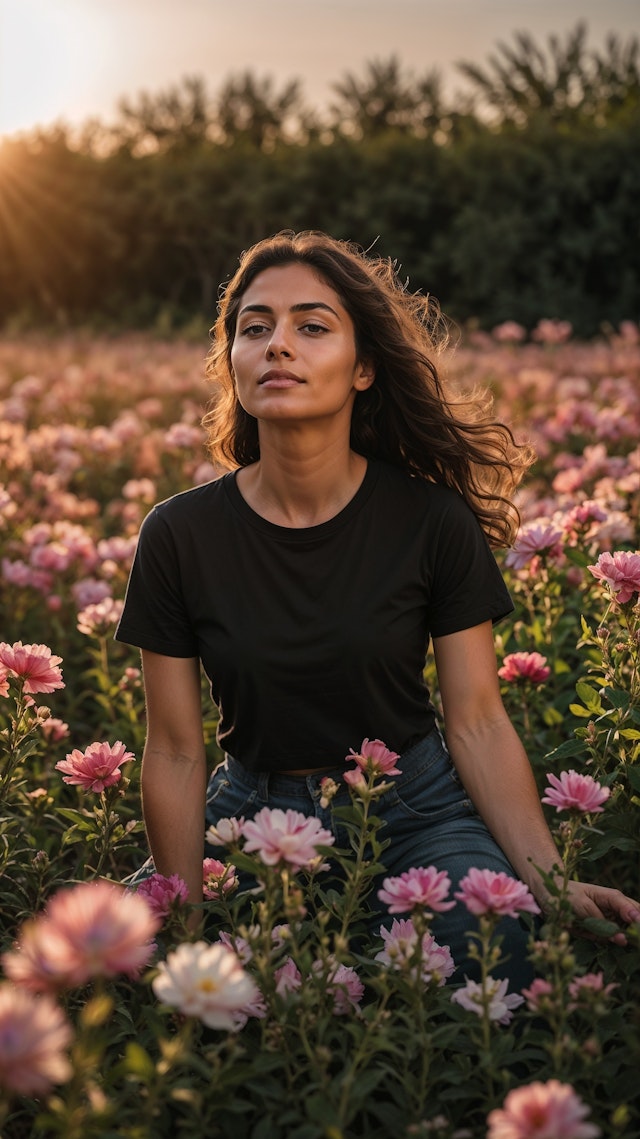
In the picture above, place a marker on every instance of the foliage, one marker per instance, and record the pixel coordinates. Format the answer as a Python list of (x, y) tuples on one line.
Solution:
[(92, 434), (513, 198)]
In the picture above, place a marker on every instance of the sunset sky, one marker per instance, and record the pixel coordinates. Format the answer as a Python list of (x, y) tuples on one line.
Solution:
[(70, 59)]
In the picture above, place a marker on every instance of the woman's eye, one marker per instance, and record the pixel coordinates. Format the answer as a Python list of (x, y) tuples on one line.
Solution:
[(253, 329), (311, 326)]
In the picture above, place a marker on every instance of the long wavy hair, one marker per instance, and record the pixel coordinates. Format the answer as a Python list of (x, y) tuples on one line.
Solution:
[(405, 417)]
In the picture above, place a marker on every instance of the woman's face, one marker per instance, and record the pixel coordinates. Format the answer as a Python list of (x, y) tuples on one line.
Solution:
[(294, 353)]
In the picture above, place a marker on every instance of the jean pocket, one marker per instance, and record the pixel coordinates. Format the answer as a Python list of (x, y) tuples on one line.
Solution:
[(228, 800), (433, 795)]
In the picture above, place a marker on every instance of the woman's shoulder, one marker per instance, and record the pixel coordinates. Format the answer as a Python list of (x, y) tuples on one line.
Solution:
[(425, 493)]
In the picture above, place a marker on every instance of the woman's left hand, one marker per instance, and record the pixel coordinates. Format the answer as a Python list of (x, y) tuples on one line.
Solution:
[(592, 901)]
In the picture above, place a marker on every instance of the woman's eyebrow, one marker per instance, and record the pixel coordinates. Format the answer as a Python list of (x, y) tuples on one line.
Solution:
[(303, 306)]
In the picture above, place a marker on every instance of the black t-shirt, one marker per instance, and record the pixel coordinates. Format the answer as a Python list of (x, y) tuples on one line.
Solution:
[(312, 638)]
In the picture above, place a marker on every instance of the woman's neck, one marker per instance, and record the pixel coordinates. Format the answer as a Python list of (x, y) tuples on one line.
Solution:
[(301, 489)]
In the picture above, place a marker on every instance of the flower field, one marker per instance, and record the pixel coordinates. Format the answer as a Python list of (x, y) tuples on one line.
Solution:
[(277, 1018)]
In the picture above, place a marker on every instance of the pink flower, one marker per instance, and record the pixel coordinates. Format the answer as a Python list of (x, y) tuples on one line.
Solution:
[(206, 981), (32, 664), (91, 930), (541, 1111), (400, 944), (494, 892), (343, 985), (574, 792), (539, 995), (501, 1004), (419, 886), (374, 758), (4, 681), (98, 619), (239, 945), (95, 768), (537, 539), (285, 836), (288, 978), (217, 878), (552, 331), (54, 729), (509, 332), (530, 667), (34, 1036), (225, 831), (589, 986), (621, 572), (162, 894)]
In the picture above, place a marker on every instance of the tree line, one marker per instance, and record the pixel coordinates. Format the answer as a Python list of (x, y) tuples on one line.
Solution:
[(514, 198)]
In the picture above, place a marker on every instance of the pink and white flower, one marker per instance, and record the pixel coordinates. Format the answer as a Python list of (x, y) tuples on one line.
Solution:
[(208, 982), (225, 831), (400, 944), (343, 985), (286, 836), (494, 892), (288, 978), (218, 878), (542, 539), (33, 664), (417, 887), (527, 667), (501, 1003), (539, 995), (91, 930), (620, 571), (542, 1111), (574, 792), (34, 1038), (95, 768)]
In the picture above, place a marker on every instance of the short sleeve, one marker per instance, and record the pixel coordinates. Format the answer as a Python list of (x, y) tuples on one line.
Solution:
[(467, 585), (155, 615)]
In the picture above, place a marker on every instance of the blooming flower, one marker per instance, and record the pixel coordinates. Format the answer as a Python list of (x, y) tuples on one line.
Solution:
[(501, 1004), (162, 893), (206, 981), (218, 878), (288, 978), (400, 943), (285, 836), (374, 758), (343, 985), (34, 1036), (573, 792), (4, 681), (537, 539), (224, 832), (54, 729), (541, 1111), (621, 572), (95, 768), (538, 995), (91, 930), (530, 667), (98, 619), (494, 892), (589, 986), (419, 886), (33, 664)]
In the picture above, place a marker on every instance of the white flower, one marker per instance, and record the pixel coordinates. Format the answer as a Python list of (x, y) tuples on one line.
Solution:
[(206, 981), (500, 1006)]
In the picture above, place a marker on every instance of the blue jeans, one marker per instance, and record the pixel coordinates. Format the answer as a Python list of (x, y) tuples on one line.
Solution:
[(429, 819)]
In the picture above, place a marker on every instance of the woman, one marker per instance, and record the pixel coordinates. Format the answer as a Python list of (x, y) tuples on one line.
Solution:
[(354, 525)]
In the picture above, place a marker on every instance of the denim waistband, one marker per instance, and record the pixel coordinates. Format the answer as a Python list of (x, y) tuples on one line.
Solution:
[(416, 760)]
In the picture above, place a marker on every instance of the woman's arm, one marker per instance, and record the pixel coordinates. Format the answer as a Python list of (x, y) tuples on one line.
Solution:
[(496, 772), (174, 770)]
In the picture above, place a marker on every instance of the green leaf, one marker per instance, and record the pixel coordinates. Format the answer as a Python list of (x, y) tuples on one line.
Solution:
[(590, 698)]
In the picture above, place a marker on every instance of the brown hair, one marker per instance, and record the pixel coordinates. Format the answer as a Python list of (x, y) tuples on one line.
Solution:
[(405, 417)]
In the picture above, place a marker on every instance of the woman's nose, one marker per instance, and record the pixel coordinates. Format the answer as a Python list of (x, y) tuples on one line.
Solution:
[(279, 344)]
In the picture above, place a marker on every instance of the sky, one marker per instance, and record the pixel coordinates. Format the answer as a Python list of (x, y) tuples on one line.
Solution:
[(69, 60)]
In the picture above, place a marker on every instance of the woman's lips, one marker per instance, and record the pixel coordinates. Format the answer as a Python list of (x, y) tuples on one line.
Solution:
[(279, 379)]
